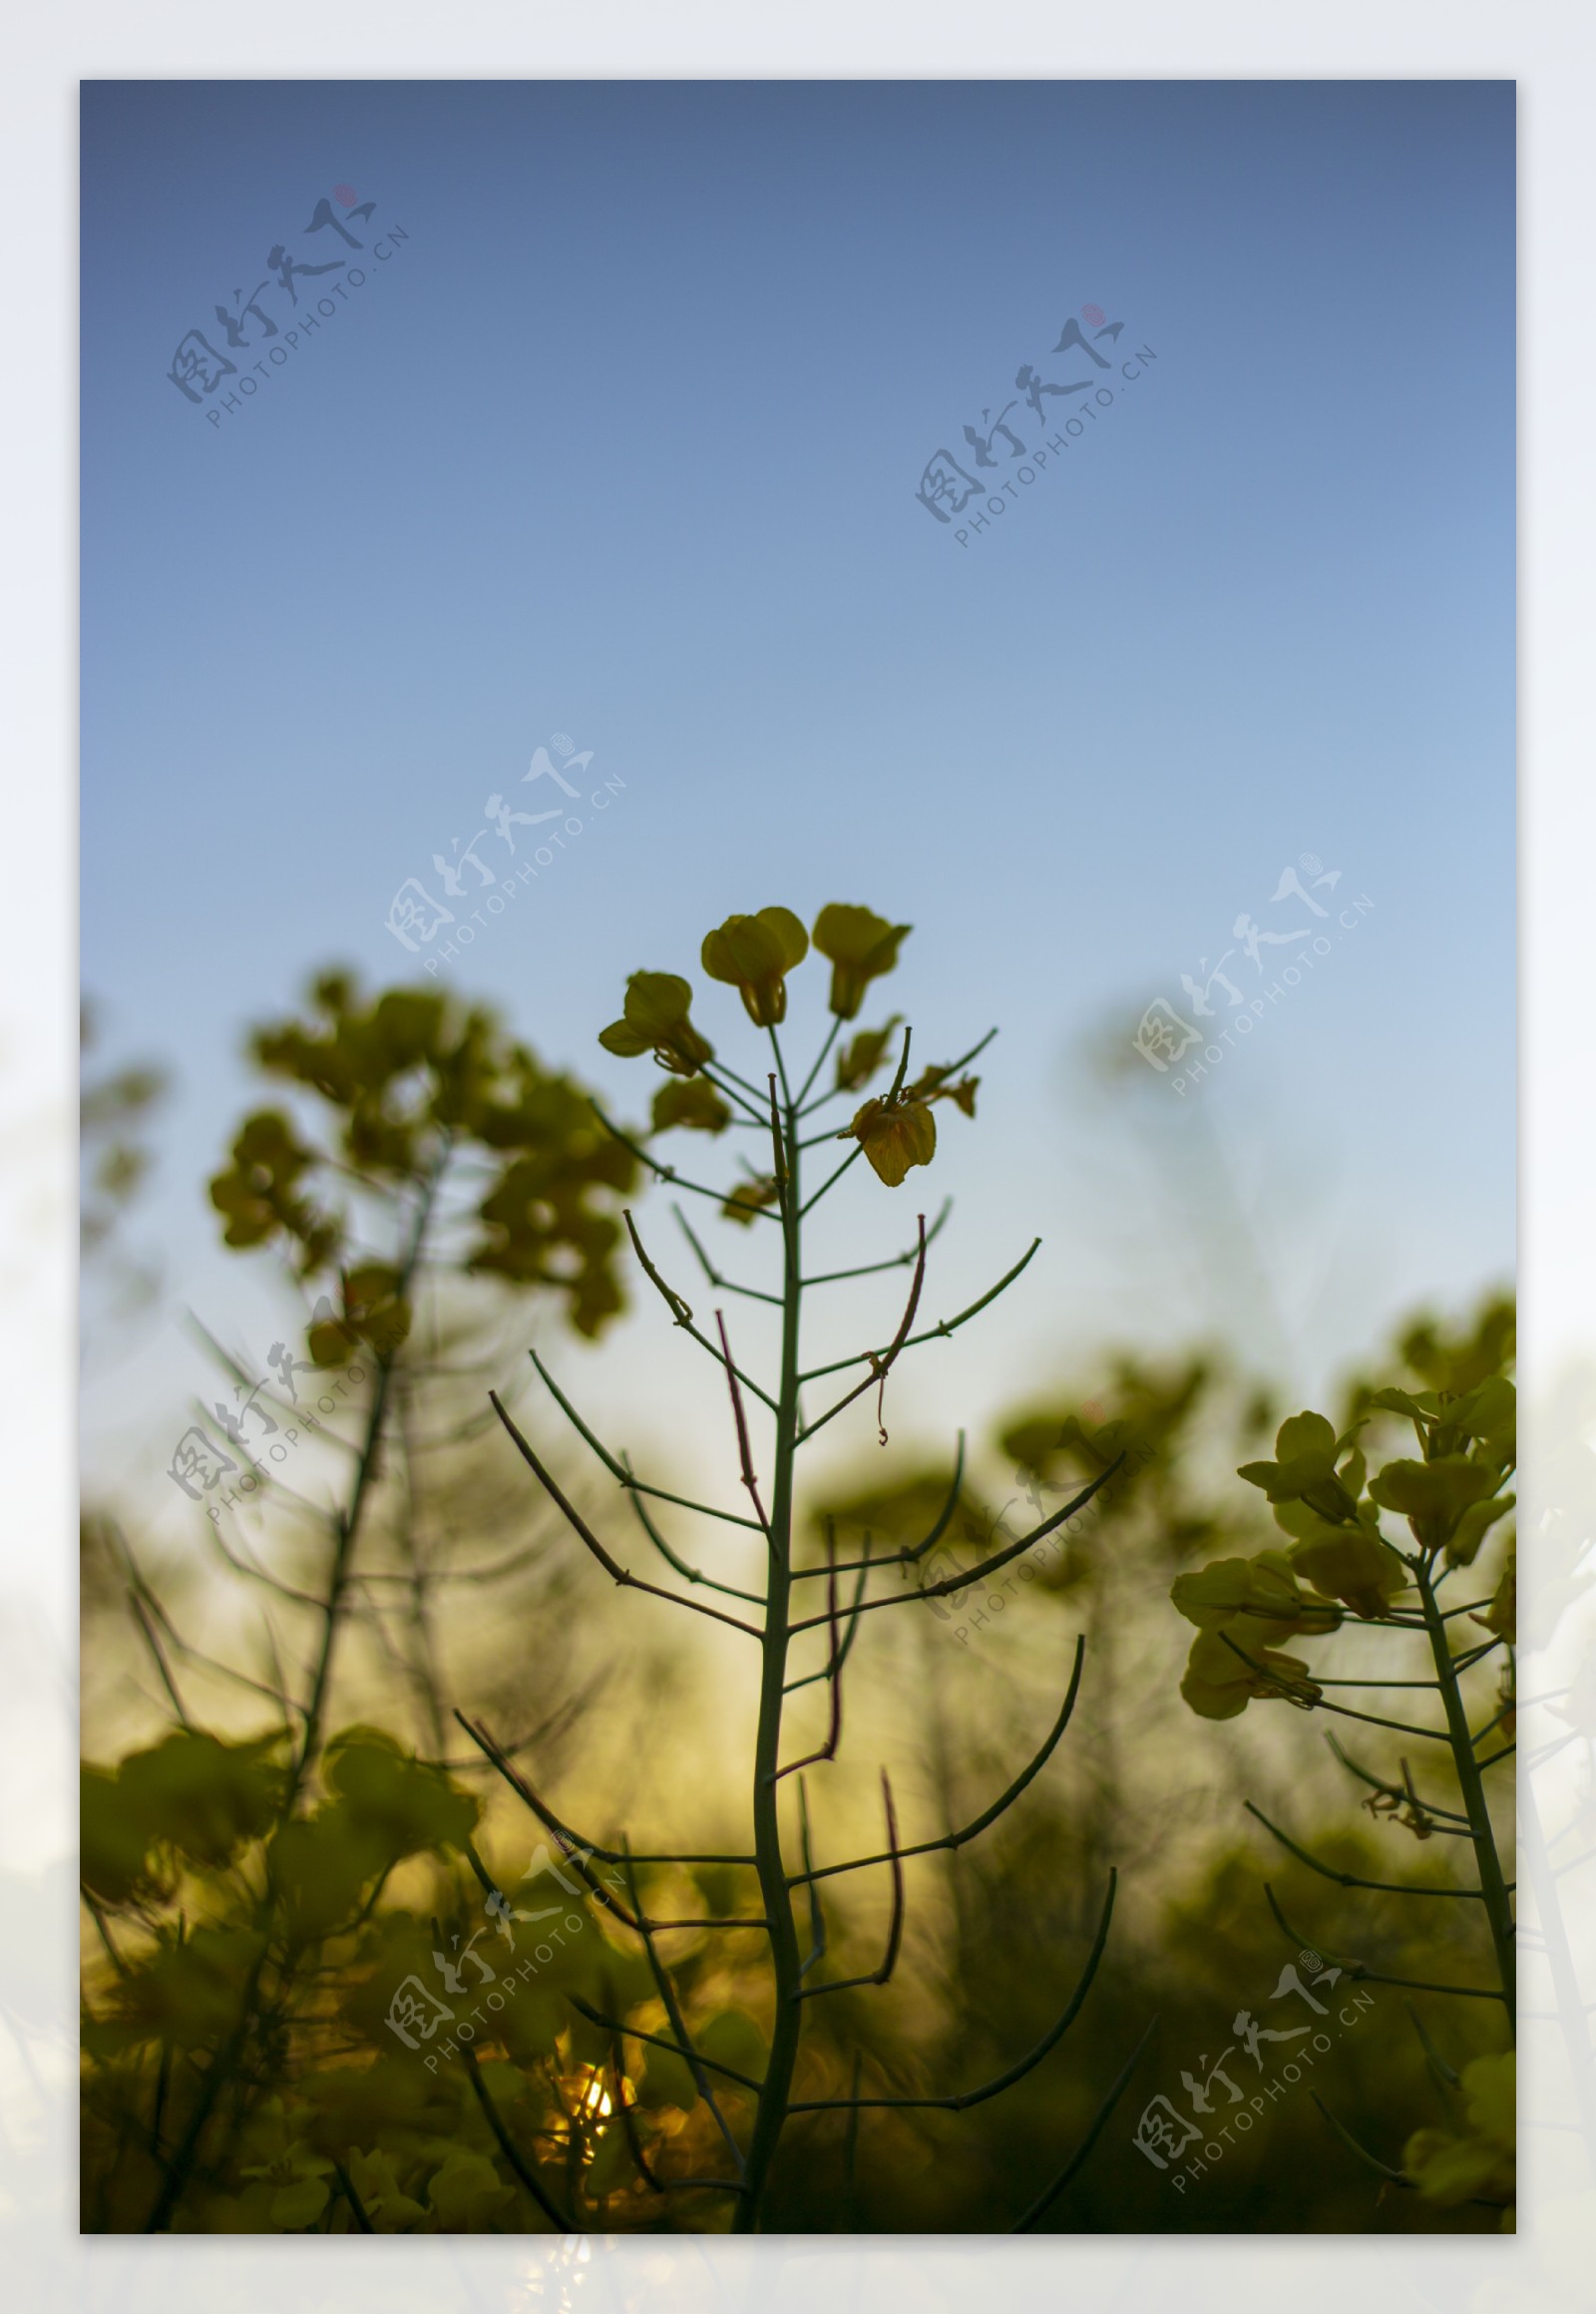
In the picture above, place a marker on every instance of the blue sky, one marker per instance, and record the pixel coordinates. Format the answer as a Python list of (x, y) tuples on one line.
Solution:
[(623, 441)]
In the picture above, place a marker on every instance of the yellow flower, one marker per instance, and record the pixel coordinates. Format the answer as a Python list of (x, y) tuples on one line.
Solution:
[(1347, 1563), (1504, 1613), (1436, 1497), (894, 1134), (932, 1085), (1241, 1606), (861, 947), (751, 1197), (859, 1061), (1305, 1472), (1452, 2169), (656, 1017), (1261, 1592), (1219, 1684), (695, 1104), (754, 954)]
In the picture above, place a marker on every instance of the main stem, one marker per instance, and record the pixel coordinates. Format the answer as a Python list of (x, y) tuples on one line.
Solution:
[(777, 2088), (1487, 1860)]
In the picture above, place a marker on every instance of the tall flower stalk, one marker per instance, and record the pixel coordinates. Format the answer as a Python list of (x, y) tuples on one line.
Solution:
[(771, 1423), (1338, 1565)]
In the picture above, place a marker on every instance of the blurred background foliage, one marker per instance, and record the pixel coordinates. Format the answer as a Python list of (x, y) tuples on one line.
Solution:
[(420, 1176)]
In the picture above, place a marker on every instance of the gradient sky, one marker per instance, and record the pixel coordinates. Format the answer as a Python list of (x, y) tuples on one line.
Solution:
[(623, 441)]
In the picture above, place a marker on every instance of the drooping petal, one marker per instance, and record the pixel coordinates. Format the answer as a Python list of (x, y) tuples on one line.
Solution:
[(861, 947)]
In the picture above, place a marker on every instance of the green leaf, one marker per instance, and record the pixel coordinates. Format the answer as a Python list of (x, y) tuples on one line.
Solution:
[(403, 1803), (204, 1797)]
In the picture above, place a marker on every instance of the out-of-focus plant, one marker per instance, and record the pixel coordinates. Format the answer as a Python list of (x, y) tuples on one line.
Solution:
[(437, 1145), (755, 2093), (1338, 1568), (112, 1114)]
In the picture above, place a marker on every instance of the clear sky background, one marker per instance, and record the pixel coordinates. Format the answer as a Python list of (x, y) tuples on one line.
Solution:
[(623, 441)]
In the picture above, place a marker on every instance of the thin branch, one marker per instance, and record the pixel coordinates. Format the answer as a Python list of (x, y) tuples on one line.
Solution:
[(740, 1420), (619, 1468), (1353, 1879), (893, 1261), (828, 1749), (190, 1653), (1378, 1784), (832, 1668), (818, 1064), (979, 1574), (943, 1327), (562, 1833), (666, 1172), (158, 1656), (1017, 2072), (852, 1158), (1445, 2073), (880, 1368), (506, 2145), (910, 1554), (692, 1574), (679, 2024), (680, 1314), (728, 1285), (574, 1849), (1100, 2119), (618, 1574), (895, 1931), (988, 1815), (655, 2041), (750, 1112), (1294, 1690), (779, 1150), (817, 1917), (346, 2185), (1374, 2161), (628, 2124), (1359, 1972)]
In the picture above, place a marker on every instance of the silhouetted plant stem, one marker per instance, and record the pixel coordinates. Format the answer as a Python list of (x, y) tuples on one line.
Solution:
[(1492, 1880), (786, 1961)]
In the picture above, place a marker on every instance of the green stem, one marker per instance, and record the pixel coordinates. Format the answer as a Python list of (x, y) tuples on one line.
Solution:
[(776, 2089), (1492, 1880), (225, 2061)]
